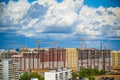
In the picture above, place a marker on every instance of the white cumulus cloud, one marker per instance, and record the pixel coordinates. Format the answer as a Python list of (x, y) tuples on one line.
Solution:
[(38, 19)]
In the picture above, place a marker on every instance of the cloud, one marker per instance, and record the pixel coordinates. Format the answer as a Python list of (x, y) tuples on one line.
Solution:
[(118, 32), (98, 21), (60, 30), (69, 18), (14, 11)]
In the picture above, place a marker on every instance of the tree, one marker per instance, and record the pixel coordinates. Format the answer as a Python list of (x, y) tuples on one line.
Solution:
[(36, 75), (91, 78), (94, 72), (28, 76), (88, 72), (25, 76), (101, 72), (85, 72), (74, 75)]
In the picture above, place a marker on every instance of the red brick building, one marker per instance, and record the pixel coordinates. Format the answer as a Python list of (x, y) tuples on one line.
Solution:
[(41, 59)]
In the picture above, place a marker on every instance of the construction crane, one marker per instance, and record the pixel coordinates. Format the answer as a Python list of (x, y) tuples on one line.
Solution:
[(37, 42), (82, 41)]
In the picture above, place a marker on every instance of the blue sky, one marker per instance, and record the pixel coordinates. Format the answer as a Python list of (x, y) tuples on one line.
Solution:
[(64, 21)]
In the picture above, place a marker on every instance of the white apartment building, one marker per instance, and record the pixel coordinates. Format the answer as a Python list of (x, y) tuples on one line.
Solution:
[(59, 74), (9, 70)]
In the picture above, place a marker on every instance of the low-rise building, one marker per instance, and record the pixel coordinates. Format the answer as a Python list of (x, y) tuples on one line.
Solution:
[(59, 74)]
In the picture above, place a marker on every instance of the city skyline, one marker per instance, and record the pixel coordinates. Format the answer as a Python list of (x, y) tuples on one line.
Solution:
[(64, 21)]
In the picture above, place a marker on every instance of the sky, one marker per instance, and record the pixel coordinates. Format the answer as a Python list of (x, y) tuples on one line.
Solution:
[(71, 23)]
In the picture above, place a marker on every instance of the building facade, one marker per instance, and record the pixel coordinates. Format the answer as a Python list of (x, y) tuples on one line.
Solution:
[(59, 74), (72, 58), (115, 59), (9, 69), (1, 70), (94, 58), (47, 58)]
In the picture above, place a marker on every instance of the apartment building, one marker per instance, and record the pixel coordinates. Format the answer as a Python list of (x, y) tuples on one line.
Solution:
[(94, 58), (115, 59), (59, 74), (1, 70), (9, 70), (72, 58), (44, 58)]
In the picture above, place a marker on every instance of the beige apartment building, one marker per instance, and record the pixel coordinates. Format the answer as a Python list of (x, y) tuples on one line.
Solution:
[(72, 58), (115, 59)]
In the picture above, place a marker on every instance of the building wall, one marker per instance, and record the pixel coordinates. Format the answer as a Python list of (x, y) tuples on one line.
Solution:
[(50, 75), (115, 59), (72, 58), (59, 74), (93, 58), (5, 68), (10, 69), (1, 70), (45, 58)]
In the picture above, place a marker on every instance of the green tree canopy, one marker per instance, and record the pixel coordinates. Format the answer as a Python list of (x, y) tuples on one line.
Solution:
[(89, 72), (85, 72), (74, 75), (94, 72), (25, 76), (28, 76), (101, 72)]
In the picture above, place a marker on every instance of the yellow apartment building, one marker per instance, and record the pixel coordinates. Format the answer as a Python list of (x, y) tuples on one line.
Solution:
[(115, 59), (72, 58)]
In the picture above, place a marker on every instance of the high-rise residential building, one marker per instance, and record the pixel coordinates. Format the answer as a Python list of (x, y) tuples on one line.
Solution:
[(9, 69), (115, 59), (1, 70), (59, 74), (72, 58), (44, 58), (94, 58)]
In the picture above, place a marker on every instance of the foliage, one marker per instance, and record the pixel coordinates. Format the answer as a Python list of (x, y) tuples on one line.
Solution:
[(36, 75), (74, 75), (28, 76), (25, 76), (90, 72), (85, 72), (94, 72), (101, 72), (91, 78)]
